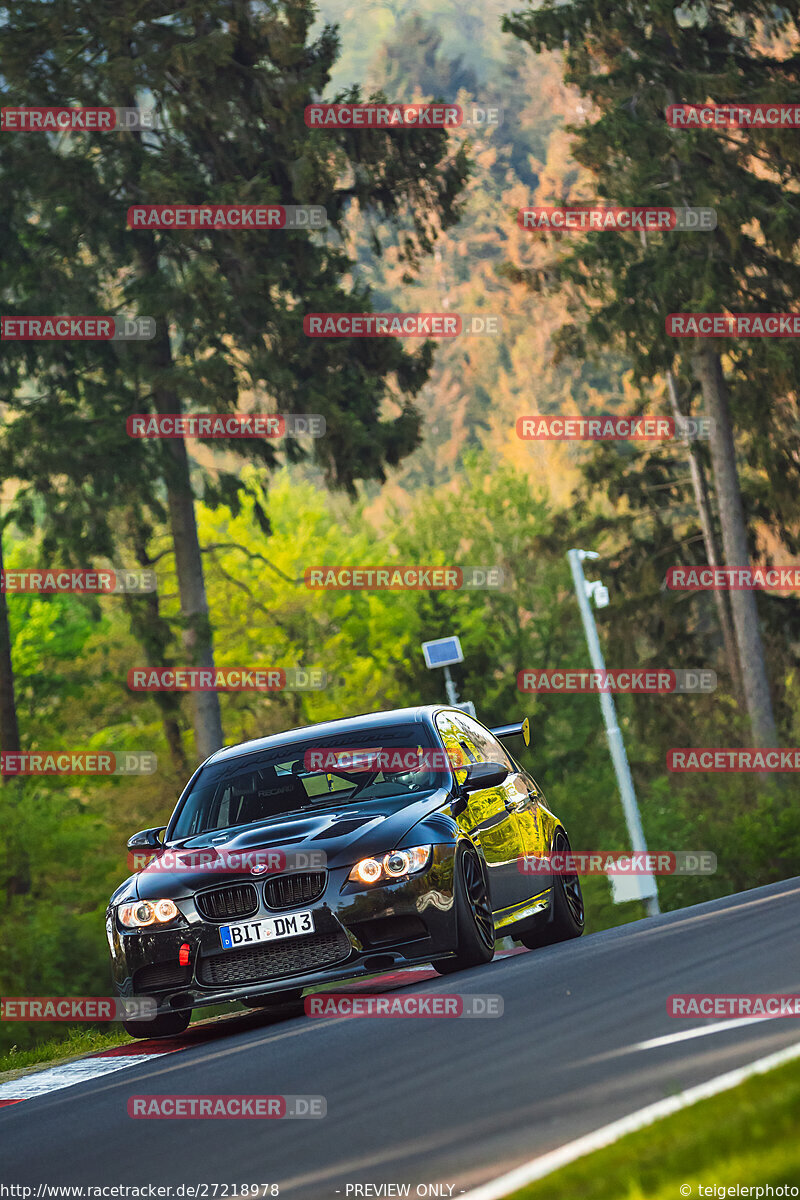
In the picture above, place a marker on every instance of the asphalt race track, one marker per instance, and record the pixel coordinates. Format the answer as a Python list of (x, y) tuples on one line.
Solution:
[(432, 1100)]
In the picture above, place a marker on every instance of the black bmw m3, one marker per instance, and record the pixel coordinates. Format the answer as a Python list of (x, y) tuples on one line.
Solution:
[(338, 850)]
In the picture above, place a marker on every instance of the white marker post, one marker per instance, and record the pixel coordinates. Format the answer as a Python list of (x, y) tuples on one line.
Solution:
[(629, 887)]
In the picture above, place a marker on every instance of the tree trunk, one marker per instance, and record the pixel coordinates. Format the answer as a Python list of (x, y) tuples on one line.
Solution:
[(197, 633), (708, 370), (710, 543), (153, 634), (9, 728)]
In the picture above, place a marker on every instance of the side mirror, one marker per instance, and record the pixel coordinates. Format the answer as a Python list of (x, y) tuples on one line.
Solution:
[(148, 839), (484, 775)]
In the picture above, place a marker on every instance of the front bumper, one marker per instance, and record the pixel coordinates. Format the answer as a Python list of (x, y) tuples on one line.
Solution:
[(357, 931)]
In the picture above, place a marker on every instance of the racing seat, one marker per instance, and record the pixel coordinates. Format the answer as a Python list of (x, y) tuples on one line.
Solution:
[(273, 795)]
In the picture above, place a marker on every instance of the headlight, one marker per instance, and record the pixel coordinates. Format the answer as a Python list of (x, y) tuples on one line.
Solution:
[(147, 912), (394, 865)]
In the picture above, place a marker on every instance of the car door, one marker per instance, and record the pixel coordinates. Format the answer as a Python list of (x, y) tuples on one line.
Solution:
[(536, 824), (490, 817)]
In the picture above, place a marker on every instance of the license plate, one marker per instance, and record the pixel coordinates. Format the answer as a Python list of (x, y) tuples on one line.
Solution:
[(248, 933)]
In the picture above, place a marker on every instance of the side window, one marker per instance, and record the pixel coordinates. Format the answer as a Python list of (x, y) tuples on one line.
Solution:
[(486, 744), (533, 787), (457, 742)]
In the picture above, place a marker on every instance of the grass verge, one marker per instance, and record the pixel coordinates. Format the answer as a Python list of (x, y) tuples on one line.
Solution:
[(77, 1041), (747, 1135)]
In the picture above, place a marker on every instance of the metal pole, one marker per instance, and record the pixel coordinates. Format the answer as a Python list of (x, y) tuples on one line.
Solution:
[(613, 732), (450, 687)]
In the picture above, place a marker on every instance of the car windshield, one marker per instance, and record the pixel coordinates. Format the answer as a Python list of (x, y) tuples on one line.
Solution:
[(374, 764)]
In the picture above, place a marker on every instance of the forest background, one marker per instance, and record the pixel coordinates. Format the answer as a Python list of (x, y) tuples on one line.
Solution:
[(422, 463)]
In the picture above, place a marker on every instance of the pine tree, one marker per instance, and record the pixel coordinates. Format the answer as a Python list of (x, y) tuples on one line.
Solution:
[(229, 83), (634, 63)]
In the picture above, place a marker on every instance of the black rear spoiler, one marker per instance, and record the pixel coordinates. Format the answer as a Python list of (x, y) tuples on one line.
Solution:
[(522, 729)]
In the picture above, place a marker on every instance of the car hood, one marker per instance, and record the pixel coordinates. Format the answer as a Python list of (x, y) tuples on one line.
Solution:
[(343, 834)]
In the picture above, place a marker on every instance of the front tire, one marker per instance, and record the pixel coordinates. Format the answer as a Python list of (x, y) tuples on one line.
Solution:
[(474, 918), (568, 917), (168, 1024)]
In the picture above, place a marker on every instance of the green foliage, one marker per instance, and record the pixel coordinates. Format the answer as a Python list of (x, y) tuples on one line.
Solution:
[(447, 481)]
